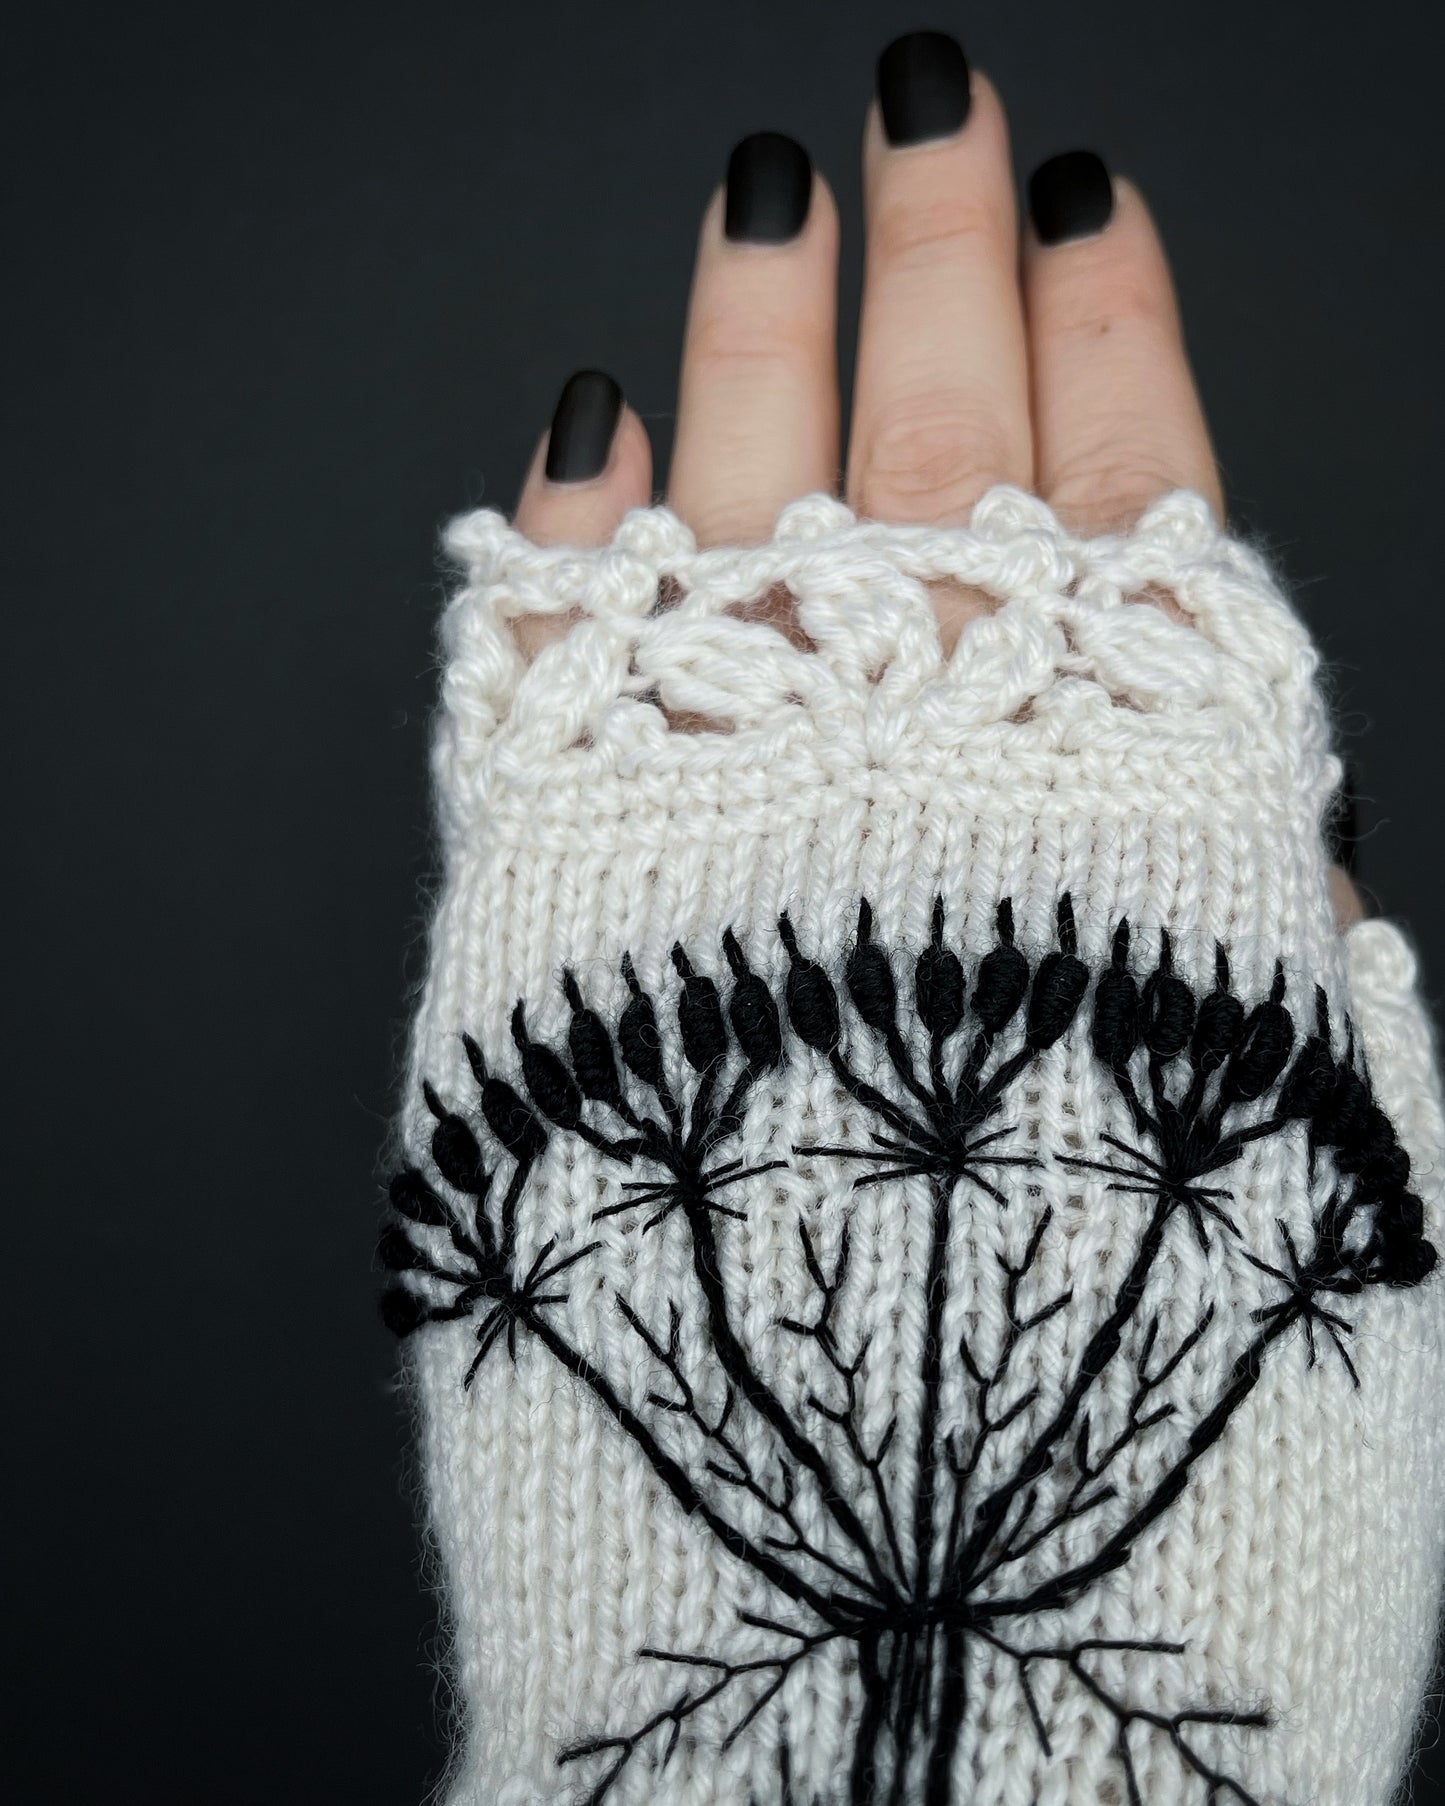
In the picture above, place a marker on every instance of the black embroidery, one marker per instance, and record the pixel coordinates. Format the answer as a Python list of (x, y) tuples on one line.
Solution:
[(952, 1533)]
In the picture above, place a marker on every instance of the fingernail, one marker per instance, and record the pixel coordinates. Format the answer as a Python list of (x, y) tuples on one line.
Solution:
[(1070, 196), (583, 426), (769, 188), (1342, 825), (923, 87)]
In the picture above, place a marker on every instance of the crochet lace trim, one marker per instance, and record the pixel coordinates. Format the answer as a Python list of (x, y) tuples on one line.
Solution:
[(1074, 662)]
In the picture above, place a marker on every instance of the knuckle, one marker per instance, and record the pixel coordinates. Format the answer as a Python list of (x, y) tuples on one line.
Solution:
[(735, 515), (934, 460), (740, 338), (1110, 488), (909, 230)]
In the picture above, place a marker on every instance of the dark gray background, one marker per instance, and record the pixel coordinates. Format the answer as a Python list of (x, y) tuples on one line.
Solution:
[(285, 288)]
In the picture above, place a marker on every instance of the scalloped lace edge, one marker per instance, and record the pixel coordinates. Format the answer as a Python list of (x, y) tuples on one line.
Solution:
[(1075, 654)]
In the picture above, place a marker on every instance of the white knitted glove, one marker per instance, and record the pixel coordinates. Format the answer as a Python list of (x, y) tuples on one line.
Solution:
[(917, 1225)]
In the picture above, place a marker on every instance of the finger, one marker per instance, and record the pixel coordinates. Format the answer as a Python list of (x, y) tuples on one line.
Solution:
[(1116, 416), (1342, 837), (757, 416), (592, 465), (1349, 905), (941, 398)]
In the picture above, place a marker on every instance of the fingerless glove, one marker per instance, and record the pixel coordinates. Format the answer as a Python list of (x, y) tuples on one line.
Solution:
[(914, 1231)]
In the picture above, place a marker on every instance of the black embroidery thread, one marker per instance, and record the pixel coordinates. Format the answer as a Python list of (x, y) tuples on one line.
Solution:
[(912, 1580)]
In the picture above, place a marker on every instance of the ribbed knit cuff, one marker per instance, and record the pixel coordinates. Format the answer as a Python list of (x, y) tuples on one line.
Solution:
[(915, 1230)]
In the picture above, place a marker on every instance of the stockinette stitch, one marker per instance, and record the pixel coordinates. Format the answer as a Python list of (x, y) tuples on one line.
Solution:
[(915, 1232)]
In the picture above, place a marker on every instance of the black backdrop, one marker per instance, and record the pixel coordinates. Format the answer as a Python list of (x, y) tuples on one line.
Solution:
[(284, 289)]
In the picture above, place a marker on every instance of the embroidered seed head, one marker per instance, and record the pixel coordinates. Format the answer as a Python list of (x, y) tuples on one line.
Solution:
[(590, 1048), (699, 1016), (752, 1012), (1409, 1263), (1059, 987), (1311, 1079), (553, 1089), (1401, 1216), (870, 977), (1342, 1113), (403, 1311), (812, 1004), (938, 986), (637, 1034), (510, 1119), (1397, 1253), (454, 1148), (1220, 1022), (1263, 1049), (1115, 1031), (1374, 1152), (1003, 977), (412, 1198), (1168, 1012)]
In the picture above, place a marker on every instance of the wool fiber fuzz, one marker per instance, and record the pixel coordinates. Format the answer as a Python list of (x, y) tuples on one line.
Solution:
[(915, 1234)]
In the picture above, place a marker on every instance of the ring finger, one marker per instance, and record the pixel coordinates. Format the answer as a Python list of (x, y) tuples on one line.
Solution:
[(1117, 418)]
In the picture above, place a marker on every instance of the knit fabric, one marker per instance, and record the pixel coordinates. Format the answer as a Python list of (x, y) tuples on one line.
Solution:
[(915, 1231)]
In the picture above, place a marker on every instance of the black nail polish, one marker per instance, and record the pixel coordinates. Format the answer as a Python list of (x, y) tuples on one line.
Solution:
[(923, 87), (1070, 196), (1342, 823), (580, 442), (769, 188)]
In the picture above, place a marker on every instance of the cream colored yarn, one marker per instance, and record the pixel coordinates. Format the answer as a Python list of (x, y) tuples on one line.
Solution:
[(857, 1469)]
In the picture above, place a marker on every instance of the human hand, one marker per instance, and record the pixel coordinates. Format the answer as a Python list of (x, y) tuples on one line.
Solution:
[(917, 1220)]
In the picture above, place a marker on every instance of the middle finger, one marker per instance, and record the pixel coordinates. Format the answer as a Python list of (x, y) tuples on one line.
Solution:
[(941, 403)]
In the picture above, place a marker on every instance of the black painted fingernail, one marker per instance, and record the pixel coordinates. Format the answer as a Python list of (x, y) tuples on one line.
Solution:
[(1342, 824), (583, 426), (769, 188), (1070, 196), (923, 87)]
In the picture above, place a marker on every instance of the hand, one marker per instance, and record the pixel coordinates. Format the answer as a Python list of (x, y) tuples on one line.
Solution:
[(858, 1069)]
